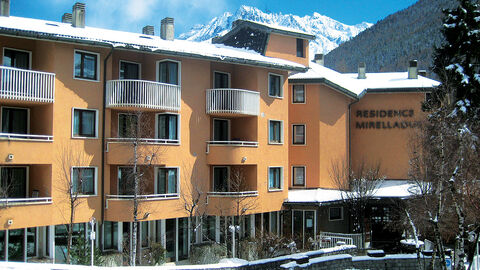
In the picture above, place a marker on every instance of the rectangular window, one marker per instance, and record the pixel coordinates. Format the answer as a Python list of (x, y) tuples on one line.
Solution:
[(220, 179), (298, 94), (129, 71), (167, 181), (13, 182), (208, 228), (31, 242), (14, 120), (274, 222), (275, 178), (275, 131), (144, 234), (86, 65), (300, 48), (125, 181), (298, 134), (168, 72), (83, 180), (167, 127), (335, 213), (127, 125), (110, 235), (298, 176), (84, 123), (16, 59), (221, 80), (275, 85)]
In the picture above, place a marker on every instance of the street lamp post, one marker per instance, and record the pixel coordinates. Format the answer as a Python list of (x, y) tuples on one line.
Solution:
[(92, 239)]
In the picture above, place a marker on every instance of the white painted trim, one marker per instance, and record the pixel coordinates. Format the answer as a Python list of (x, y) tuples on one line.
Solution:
[(304, 135), (222, 72), (95, 180), (98, 66), (304, 176), (157, 65), (130, 62), (281, 132), (281, 85), (179, 129), (281, 178), (155, 177), (11, 107), (96, 123)]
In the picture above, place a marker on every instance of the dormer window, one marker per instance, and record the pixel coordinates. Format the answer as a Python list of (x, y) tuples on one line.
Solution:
[(300, 48)]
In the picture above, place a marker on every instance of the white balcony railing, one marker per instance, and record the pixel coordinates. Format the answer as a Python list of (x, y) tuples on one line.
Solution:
[(233, 101), (143, 94), (141, 141), (26, 85), (26, 137), (231, 143), (252, 193), (25, 201)]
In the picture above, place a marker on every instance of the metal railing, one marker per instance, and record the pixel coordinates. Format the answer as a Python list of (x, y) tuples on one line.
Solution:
[(144, 197), (235, 101), (329, 239), (141, 141), (231, 143), (26, 85), (143, 94), (26, 137), (251, 193), (25, 201)]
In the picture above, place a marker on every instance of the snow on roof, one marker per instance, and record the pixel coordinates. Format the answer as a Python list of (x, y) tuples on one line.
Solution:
[(349, 81), (388, 189), (65, 31), (281, 28)]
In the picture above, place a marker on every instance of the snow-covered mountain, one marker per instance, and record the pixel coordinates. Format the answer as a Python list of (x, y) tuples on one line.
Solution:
[(329, 32)]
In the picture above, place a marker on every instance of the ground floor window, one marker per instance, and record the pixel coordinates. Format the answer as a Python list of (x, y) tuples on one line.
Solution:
[(18, 245), (209, 228), (303, 226), (110, 235)]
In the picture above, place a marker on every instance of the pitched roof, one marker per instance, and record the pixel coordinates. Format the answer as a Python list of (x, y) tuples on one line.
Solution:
[(57, 31)]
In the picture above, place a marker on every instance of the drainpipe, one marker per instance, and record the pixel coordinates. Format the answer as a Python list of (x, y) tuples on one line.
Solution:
[(103, 141), (350, 138)]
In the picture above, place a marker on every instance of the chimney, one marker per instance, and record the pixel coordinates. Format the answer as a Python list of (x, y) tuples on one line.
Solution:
[(319, 59), (422, 72), (5, 8), (412, 70), (67, 18), (361, 70), (148, 30), (78, 15), (167, 30)]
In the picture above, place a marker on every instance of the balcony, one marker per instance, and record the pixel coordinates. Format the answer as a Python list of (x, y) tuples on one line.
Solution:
[(232, 152), (143, 94), (232, 101), (26, 85)]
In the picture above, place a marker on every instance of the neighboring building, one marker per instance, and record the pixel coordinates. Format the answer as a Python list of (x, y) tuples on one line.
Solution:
[(211, 116)]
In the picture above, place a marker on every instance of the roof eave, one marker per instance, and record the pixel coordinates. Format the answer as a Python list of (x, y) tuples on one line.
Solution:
[(327, 83)]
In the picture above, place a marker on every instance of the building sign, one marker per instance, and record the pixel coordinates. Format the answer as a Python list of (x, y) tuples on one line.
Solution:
[(385, 119)]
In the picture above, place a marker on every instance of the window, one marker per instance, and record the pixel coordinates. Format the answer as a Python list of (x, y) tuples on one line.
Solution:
[(144, 234), (125, 181), (84, 123), (221, 128), (275, 85), (209, 228), (335, 213), (83, 180), (298, 94), (275, 177), (275, 132), (127, 125), (167, 127), (298, 134), (86, 66), (15, 120), (298, 175), (220, 179), (300, 48), (168, 72), (16, 59), (129, 71), (110, 235), (167, 181), (221, 80), (13, 182)]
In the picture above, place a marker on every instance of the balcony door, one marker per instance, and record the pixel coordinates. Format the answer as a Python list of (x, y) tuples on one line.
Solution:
[(14, 120), (125, 181), (221, 130), (13, 182), (129, 71), (220, 179), (16, 58), (221, 80)]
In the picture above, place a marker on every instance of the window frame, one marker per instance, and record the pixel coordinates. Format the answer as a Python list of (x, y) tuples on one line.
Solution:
[(73, 123), (300, 53), (116, 240), (179, 71), (229, 134), (304, 175), (213, 178), (95, 179), (97, 66), (304, 94), (222, 72), (11, 107), (280, 96), (304, 134), (118, 122), (27, 176), (179, 128), (273, 189), (130, 62), (155, 183), (19, 50), (118, 177), (281, 132), (330, 215)]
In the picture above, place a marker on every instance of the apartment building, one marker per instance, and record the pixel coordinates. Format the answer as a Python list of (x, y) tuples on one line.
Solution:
[(83, 107)]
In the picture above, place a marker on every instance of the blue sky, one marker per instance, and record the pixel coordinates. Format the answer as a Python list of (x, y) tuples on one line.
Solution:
[(132, 15)]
